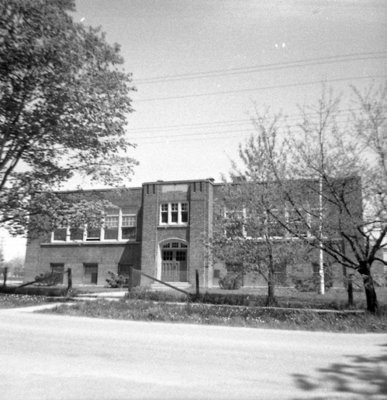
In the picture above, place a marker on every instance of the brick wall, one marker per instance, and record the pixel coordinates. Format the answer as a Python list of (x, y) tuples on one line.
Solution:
[(196, 194), (41, 252), (145, 253), (149, 234)]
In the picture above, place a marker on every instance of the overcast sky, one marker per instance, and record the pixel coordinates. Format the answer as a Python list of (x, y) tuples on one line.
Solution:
[(188, 119), (200, 65)]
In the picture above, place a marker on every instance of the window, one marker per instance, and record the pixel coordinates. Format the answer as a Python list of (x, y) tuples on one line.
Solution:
[(60, 234), (181, 255), (234, 223), (76, 233), (174, 213), (90, 274), (242, 223), (128, 227), (111, 225), (164, 213), (93, 234), (116, 225), (298, 221), (316, 219), (167, 255), (184, 213), (274, 228), (174, 245), (57, 270)]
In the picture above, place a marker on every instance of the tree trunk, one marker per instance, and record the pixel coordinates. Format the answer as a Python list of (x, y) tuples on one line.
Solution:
[(271, 300), (350, 290), (369, 288)]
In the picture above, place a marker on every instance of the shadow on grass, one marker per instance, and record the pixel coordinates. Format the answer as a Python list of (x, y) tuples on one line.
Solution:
[(363, 377)]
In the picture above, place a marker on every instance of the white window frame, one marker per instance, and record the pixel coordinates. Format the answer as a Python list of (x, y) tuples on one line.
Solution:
[(121, 225), (87, 238), (179, 211), (242, 212), (287, 212), (104, 225), (67, 238), (84, 238)]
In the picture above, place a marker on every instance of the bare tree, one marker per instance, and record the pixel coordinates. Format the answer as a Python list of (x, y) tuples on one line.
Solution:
[(246, 236), (344, 164)]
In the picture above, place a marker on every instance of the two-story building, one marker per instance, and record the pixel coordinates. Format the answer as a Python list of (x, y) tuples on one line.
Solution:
[(160, 228)]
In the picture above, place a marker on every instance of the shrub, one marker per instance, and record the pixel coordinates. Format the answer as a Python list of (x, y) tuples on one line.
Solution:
[(42, 291), (312, 284), (48, 278), (232, 299), (231, 281), (116, 281)]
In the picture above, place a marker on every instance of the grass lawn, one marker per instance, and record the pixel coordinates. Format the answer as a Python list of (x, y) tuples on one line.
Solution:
[(288, 294), (226, 315), (255, 317), (18, 300), (333, 298), (163, 306)]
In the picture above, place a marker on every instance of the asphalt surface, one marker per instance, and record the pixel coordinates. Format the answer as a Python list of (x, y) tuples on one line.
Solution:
[(54, 357)]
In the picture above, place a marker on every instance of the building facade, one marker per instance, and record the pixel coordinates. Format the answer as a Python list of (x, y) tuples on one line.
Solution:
[(160, 228)]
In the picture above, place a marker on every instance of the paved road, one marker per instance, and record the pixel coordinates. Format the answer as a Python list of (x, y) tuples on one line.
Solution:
[(53, 357)]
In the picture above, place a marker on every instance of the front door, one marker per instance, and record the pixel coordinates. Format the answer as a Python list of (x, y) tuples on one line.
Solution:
[(174, 262)]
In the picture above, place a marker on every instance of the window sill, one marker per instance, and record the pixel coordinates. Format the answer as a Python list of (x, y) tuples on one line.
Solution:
[(90, 243)]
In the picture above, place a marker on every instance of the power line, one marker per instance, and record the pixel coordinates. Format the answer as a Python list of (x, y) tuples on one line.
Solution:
[(204, 135), (190, 126), (288, 85), (193, 134), (219, 123), (266, 67), (191, 139)]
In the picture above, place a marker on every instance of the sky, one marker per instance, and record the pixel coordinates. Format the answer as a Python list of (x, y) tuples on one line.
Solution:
[(201, 67), (188, 119)]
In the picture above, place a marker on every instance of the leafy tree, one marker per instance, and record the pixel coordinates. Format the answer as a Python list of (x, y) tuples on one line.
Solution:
[(15, 266), (64, 100), (246, 236), (344, 166)]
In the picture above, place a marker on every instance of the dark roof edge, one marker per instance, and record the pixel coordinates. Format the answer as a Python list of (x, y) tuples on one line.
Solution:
[(178, 182), (98, 189)]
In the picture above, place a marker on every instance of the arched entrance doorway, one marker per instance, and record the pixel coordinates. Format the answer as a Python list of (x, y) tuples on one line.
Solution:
[(174, 262)]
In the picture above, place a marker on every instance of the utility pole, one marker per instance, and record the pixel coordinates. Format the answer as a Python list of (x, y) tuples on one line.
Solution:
[(320, 215), (320, 234)]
